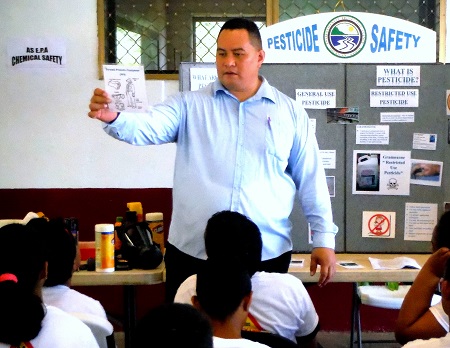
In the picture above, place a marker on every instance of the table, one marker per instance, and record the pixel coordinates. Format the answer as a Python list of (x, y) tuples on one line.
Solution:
[(132, 278), (355, 275), (129, 280), (366, 274)]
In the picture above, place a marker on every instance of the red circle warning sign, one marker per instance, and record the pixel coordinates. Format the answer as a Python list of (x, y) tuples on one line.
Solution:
[(379, 224)]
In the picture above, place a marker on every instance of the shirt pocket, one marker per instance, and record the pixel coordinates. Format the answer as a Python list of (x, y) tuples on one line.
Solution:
[(278, 140)]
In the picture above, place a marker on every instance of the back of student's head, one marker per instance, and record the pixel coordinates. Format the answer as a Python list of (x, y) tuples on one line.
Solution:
[(61, 251), (441, 234), (22, 260), (232, 233), (222, 284), (173, 325)]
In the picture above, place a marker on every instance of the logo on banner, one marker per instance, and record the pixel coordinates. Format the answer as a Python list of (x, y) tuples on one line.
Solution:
[(344, 36)]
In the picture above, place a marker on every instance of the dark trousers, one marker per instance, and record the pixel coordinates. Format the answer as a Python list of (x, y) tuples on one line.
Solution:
[(180, 266)]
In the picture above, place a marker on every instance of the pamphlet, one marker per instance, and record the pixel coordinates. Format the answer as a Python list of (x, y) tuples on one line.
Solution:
[(395, 263)]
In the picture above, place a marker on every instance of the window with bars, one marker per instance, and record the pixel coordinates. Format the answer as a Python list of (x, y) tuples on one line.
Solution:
[(159, 34), (205, 35)]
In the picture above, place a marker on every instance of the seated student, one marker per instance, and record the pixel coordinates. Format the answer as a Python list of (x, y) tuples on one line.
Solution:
[(416, 318), (26, 321), (61, 251), (173, 325), (445, 340), (224, 294), (286, 310)]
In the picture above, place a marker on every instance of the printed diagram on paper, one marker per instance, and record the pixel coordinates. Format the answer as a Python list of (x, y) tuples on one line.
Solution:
[(126, 87)]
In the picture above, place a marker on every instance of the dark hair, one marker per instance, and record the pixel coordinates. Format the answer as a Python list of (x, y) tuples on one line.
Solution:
[(229, 232), (222, 284), (442, 233), (250, 26), (61, 251), (173, 325), (22, 311)]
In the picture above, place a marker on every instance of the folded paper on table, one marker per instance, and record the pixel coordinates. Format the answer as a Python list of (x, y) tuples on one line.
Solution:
[(395, 263)]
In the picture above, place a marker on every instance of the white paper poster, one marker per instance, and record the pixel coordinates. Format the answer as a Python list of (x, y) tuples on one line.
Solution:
[(381, 172), (423, 141), (316, 98), (398, 117), (372, 134), (201, 77), (398, 75), (394, 98), (126, 86), (378, 224), (420, 220), (36, 53), (328, 158)]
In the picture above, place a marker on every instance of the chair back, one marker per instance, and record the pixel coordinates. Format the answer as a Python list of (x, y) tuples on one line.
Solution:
[(380, 296), (100, 327)]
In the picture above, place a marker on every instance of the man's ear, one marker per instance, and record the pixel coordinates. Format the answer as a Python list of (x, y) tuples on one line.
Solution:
[(44, 272), (195, 303), (261, 57), (246, 301)]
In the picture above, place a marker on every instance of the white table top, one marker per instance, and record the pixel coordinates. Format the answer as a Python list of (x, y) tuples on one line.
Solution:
[(345, 275), (132, 277)]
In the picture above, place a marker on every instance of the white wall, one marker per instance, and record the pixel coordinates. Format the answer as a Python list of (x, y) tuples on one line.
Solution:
[(47, 139)]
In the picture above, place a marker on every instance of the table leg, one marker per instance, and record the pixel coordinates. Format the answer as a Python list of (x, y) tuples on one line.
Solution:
[(129, 293)]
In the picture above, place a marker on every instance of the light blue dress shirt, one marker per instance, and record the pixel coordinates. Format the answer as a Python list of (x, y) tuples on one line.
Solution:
[(252, 157)]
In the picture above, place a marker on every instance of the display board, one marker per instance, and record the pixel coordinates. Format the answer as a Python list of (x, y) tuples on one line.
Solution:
[(381, 203)]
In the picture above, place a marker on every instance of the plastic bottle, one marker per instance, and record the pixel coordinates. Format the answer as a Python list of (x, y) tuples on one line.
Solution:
[(137, 207), (117, 225), (156, 225), (104, 248), (367, 172)]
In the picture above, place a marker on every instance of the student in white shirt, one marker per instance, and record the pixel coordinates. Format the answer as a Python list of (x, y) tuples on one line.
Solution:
[(445, 340), (417, 320), (25, 320), (224, 294), (61, 252)]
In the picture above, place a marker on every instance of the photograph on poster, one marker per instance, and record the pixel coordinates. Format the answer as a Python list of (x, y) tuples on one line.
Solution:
[(381, 172), (331, 185), (367, 172), (446, 206), (343, 115), (447, 104), (425, 172)]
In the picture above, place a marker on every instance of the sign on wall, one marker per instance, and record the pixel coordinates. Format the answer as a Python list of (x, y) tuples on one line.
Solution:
[(348, 37), (36, 52)]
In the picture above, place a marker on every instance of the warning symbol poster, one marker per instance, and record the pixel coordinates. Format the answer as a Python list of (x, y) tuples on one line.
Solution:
[(378, 224)]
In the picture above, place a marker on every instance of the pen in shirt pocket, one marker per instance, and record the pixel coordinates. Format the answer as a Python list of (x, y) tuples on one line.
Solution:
[(269, 120)]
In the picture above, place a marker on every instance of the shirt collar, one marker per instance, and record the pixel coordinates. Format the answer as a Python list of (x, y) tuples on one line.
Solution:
[(264, 91)]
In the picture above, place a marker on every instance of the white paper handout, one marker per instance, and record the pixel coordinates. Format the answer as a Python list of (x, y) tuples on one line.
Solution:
[(349, 264), (395, 263), (297, 263), (126, 87)]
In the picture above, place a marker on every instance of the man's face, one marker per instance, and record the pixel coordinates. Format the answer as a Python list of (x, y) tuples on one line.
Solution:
[(238, 61)]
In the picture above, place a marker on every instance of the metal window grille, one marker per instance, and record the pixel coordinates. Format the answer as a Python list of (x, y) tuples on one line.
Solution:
[(159, 34)]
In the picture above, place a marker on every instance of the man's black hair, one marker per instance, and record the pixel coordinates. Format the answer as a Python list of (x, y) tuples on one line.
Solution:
[(250, 26)]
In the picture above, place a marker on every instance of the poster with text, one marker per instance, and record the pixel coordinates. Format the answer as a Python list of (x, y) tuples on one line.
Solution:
[(381, 172)]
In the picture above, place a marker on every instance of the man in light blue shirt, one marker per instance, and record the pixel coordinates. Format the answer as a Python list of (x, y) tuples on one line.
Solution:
[(241, 145)]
